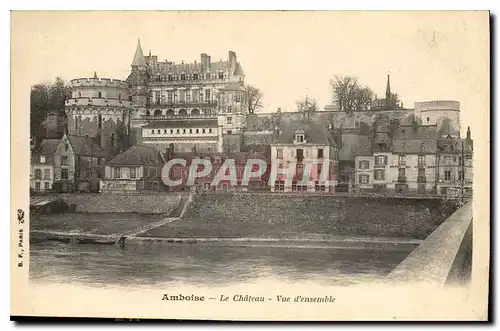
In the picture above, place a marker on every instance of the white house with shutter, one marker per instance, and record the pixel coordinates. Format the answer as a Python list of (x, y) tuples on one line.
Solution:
[(303, 148)]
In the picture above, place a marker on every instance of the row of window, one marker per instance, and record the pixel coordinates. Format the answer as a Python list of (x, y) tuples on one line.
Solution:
[(194, 76), (46, 186), (448, 160), (381, 160), (299, 155), (46, 174), (279, 185), (77, 95), (380, 175), (299, 168), (133, 173), (183, 96), (180, 131)]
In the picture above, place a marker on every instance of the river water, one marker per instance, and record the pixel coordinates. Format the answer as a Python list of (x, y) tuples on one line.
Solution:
[(207, 264)]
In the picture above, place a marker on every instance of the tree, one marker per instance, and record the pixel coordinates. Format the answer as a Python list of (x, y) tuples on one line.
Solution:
[(349, 94), (39, 104), (45, 98), (254, 95), (307, 107), (393, 102)]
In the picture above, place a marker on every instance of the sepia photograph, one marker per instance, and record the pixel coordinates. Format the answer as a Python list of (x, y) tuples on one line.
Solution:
[(300, 165)]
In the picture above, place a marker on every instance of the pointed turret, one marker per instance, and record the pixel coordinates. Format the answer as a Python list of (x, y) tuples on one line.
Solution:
[(388, 88), (468, 133), (139, 60), (95, 74)]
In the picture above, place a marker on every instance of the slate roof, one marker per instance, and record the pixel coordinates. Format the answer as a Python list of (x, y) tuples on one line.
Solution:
[(314, 134), (354, 145), (164, 68), (411, 132), (454, 146), (48, 147), (415, 139), (234, 86), (175, 123), (86, 146), (421, 146), (139, 56), (138, 155)]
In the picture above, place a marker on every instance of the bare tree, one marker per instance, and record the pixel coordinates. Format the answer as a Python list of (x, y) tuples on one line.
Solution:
[(349, 94), (254, 95)]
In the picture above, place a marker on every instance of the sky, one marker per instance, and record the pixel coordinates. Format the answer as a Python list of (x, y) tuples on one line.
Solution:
[(288, 55)]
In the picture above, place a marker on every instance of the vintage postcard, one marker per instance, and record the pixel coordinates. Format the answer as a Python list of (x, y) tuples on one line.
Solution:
[(308, 165)]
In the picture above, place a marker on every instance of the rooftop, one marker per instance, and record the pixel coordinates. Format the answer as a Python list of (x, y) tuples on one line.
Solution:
[(86, 146), (138, 155), (47, 147), (314, 133)]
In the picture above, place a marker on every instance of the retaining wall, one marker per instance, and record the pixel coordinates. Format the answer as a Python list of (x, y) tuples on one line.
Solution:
[(116, 203)]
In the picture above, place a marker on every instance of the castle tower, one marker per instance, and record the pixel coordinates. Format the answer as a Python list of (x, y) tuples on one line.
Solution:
[(138, 78), (233, 107), (443, 113), (99, 108)]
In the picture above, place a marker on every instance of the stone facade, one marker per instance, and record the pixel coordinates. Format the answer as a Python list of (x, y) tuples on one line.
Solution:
[(100, 108)]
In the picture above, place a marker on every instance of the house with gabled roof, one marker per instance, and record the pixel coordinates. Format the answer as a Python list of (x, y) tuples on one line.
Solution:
[(42, 166), (414, 159), (304, 148), (137, 169), (78, 164), (454, 161)]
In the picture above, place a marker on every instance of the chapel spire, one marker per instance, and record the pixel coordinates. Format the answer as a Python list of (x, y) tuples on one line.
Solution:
[(388, 88)]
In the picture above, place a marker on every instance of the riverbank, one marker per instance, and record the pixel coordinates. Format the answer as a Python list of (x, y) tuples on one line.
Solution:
[(253, 219), (166, 203), (158, 203)]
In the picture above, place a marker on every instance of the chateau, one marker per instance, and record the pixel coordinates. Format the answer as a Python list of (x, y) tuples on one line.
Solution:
[(201, 108), (195, 106)]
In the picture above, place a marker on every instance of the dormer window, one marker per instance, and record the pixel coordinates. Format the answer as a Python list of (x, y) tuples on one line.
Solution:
[(299, 136)]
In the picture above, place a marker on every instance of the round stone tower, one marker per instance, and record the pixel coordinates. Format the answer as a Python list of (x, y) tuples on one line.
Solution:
[(100, 108), (443, 113)]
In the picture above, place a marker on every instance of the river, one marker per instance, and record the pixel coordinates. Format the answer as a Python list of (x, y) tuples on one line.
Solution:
[(207, 264)]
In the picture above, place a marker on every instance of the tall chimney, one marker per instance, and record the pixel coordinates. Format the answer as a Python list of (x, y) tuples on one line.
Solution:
[(468, 133), (205, 62), (232, 61)]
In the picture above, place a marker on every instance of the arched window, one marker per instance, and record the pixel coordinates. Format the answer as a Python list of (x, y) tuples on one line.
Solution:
[(170, 112), (157, 112), (195, 112), (182, 112)]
